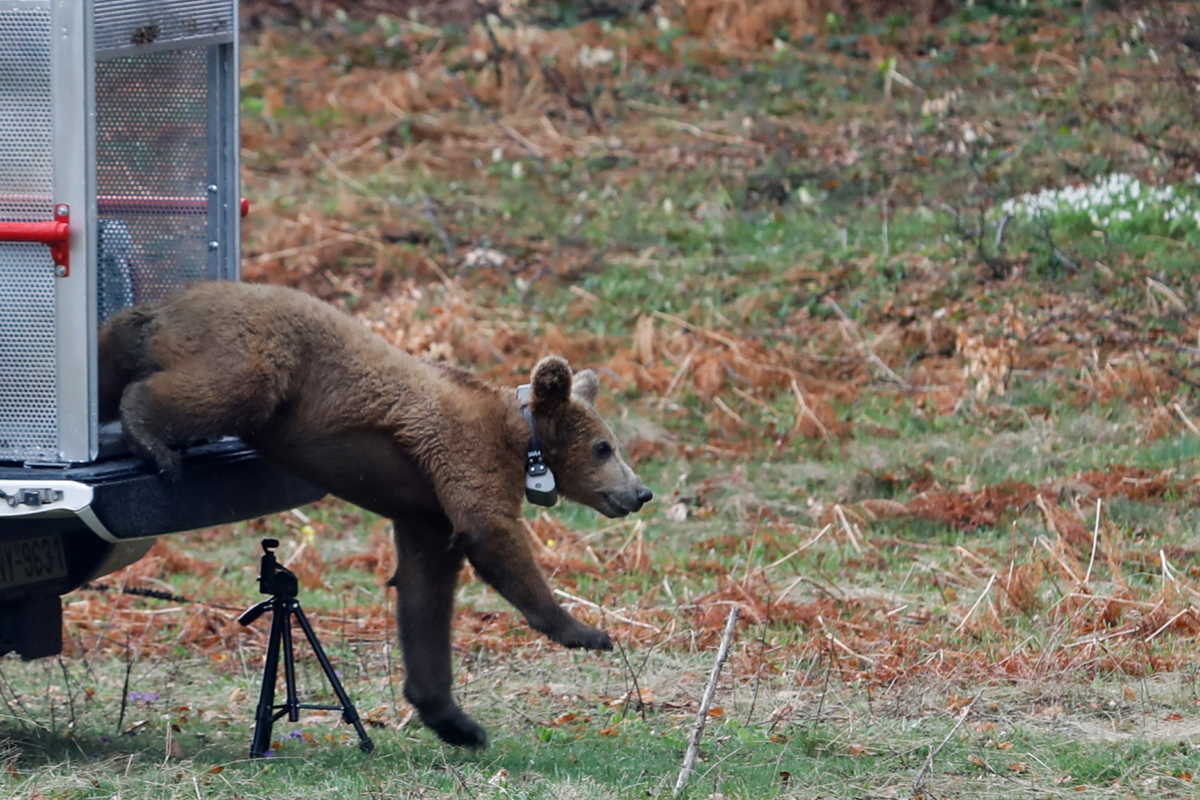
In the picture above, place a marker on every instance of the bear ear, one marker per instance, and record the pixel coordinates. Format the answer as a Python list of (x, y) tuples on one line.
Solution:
[(585, 385), (551, 383)]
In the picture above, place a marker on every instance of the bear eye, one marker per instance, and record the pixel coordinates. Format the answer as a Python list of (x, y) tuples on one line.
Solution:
[(602, 449)]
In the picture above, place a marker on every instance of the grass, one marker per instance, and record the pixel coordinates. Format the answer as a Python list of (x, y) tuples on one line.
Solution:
[(864, 743), (872, 417)]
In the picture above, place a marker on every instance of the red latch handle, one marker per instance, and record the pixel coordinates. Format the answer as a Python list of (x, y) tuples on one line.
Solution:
[(56, 234)]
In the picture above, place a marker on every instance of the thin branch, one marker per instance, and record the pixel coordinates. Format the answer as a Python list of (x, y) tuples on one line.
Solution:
[(70, 692), (607, 611), (1095, 541), (693, 748), (1000, 228), (641, 702), (887, 371), (919, 783), (429, 211), (125, 686), (978, 600), (1191, 426)]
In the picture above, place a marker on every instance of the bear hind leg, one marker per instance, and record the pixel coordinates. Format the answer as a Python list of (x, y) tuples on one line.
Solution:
[(426, 572), (177, 406), (140, 420)]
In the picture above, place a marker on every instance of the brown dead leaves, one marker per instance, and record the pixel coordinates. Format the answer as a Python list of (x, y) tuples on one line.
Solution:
[(163, 560), (754, 24), (379, 559), (988, 506), (970, 510)]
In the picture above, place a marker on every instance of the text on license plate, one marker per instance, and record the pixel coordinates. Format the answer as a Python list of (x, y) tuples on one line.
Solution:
[(25, 561)]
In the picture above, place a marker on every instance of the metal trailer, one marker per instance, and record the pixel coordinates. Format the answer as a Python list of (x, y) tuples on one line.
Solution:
[(118, 185)]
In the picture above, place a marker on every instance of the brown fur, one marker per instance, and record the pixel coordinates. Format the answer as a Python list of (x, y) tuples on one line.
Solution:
[(436, 450)]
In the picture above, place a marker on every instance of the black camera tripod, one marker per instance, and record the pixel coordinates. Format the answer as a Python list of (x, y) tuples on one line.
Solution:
[(280, 582)]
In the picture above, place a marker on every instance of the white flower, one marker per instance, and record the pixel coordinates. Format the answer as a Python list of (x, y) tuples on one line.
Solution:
[(1113, 198), (594, 56)]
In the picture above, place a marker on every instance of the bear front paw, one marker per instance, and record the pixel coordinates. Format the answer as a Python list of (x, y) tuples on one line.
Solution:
[(458, 729), (586, 637)]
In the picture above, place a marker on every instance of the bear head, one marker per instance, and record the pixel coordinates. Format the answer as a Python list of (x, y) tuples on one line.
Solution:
[(578, 446)]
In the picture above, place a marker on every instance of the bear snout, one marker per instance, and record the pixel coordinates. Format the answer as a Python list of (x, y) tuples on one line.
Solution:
[(623, 503)]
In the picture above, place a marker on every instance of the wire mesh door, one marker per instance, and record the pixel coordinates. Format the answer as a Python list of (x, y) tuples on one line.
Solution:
[(166, 147)]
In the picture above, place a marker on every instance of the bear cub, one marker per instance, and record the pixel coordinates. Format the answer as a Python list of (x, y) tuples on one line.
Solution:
[(439, 452)]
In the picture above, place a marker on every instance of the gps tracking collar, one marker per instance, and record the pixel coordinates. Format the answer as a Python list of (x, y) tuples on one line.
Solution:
[(539, 480)]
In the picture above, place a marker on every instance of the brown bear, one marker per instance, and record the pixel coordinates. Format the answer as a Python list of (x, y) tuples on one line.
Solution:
[(440, 453)]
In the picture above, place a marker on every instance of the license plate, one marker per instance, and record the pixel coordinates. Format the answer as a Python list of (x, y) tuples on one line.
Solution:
[(24, 561)]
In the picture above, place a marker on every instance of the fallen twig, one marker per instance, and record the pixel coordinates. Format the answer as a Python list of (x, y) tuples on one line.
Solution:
[(125, 686), (996, 248), (1095, 540), (919, 783), (508, 130), (849, 650), (607, 611), (693, 748), (804, 410), (1186, 421), (429, 211), (679, 373), (847, 527), (887, 372), (1104, 638), (1168, 574), (70, 692), (1168, 624), (641, 701), (978, 600)]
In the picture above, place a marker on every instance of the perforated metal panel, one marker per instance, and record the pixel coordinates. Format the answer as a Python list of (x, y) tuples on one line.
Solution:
[(28, 379), (144, 23), (26, 112), (152, 151), (28, 361)]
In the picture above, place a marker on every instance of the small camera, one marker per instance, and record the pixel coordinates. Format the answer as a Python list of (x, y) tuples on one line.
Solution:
[(273, 577)]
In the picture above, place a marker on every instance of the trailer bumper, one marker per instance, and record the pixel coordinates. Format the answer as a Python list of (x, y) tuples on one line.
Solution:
[(61, 526)]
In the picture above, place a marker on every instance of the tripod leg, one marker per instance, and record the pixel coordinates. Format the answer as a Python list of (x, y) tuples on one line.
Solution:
[(264, 717), (349, 712), (289, 660)]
